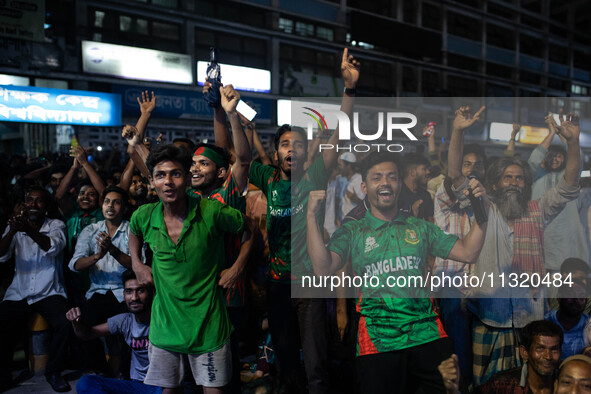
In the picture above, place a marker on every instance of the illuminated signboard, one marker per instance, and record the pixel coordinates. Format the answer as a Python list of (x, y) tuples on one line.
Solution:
[(526, 135), (242, 78), (42, 105), (136, 63)]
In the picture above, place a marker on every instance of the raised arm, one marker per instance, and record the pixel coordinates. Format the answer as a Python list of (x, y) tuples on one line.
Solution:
[(95, 179), (323, 261), (463, 120), (230, 99), (147, 105), (62, 189), (221, 133), (570, 130), (81, 330), (510, 151), (127, 175), (468, 248), (350, 73), (258, 144), (137, 151)]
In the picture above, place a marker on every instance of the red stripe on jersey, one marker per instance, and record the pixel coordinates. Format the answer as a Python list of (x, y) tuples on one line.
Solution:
[(366, 345), (442, 333)]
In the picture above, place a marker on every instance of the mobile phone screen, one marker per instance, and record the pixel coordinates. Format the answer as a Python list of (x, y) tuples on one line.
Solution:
[(245, 110)]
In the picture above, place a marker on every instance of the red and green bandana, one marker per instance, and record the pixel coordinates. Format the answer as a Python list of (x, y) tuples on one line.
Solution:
[(211, 155)]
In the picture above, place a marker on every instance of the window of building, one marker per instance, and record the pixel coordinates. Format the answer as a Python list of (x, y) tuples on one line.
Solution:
[(98, 18), (462, 87), (463, 62), (410, 79), (431, 17), (463, 26), (500, 36), (132, 30), (557, 54), (304, 29), (531, 46), (307, 60), (497, 70), (324, 33), (286, 25), (232, 48)]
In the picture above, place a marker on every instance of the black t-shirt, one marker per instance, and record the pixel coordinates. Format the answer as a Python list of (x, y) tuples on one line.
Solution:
[(407, 198)]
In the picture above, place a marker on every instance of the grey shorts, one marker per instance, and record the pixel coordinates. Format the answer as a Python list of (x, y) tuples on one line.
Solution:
[(167, 369)]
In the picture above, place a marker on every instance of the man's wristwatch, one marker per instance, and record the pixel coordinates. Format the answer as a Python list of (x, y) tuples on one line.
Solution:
[(350, 92)]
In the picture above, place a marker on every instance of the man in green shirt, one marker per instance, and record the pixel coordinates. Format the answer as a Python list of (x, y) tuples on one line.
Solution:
[(186, 235), (400, 339), (287, 188)]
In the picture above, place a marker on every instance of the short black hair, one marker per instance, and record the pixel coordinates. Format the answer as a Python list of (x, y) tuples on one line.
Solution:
[(413, 160), (538, 328), (227, 156), (574, 264), (186, 141), (284, 129), (126, 275), (82, 183), (373, 160), (116, 189), (477, 149), (169, 152), (36, 188)]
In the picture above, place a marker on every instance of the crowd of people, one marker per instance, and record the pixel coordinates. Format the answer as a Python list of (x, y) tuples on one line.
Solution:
[(178, 266)]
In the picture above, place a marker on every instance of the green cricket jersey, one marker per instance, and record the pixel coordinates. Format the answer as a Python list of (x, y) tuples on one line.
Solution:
[(229, 194), (286, 216), (188, 314), (392, 317)]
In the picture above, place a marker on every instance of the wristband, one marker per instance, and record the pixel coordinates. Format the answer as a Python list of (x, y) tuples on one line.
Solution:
[(350, 92)]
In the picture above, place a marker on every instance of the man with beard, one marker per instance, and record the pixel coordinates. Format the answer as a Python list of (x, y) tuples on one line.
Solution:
[(287, 188), (134, 326), (400, 337), (38, 285), (414, 195), (513, 245), (138, 193), (540, 350), (102, 251), (565, 237)]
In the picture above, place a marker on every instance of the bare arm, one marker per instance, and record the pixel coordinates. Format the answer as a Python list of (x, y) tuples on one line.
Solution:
[(323, 261), (230, 98), (350, 73), (142, 272), (570, 130), (258, 144), (510, 151), (147, 105), (81, 330), (62, 189), (229, 276), (95, 179), (127, 175), (136, 150), (463, 120)]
